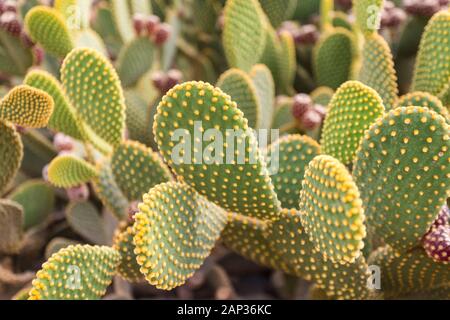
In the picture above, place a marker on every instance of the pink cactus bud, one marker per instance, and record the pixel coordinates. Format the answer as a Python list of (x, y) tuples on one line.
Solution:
[(302, 103), (151, 23), (79, 193), (159, 80), (320, 109), (307, 34), (139, 23), (437, 243), (10, 6), (162, 33), (63, 142), (10, 23), (311, 120), (174, 76)]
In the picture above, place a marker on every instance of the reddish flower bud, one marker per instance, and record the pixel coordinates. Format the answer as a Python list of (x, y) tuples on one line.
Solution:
[(174, 76), (63, 142), (26, 40), (321, 110), (311, 120), (151, 23), (437, 244), (10, 23), (306, 35), (79, 193), (139, 23), (302, 103), (162, 33), (159, 80)]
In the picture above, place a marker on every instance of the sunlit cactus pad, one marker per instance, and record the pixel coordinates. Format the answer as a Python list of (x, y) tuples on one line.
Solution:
[(245, 186), (69, 171), (175, 230), (76, 273), (128, 268), (332, 212), (402, 165), (11, 152)]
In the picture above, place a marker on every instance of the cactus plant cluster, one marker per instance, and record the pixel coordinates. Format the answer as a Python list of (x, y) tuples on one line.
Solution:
[(116, 168)]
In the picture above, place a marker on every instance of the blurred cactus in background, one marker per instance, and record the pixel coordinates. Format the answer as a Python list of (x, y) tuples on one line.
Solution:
[(116, 119)]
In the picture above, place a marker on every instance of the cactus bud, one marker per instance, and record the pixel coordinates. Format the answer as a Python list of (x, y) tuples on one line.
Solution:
[(139, 23), (321, 110), (10, 23), (437, 244), (38, 55), (9, 6), (307, 35), (425, 8), (79, 193), (63, 142), (151, 23), (26, 40), (302, 103), (162, 33), (174, 76), (311, 120), (159, 80)]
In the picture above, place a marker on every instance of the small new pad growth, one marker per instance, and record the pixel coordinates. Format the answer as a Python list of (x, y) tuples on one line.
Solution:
[(332, 211), (69, 171), (27, 107), (47, 27)]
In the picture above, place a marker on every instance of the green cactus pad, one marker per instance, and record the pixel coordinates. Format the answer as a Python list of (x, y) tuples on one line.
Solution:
[(134, 60), (265, 91), (278, 11), (353, 108), (287, 62), (237, 183), (271, 53), (128, 269), (423, 99), (80, 272), (15, 57), (402, 165), (108, 191), (368, 14), (47, 27), (332, 212), (11, 153), (432, 73), (377, 70), (175, 230), (63, 118), (11, 227), (93, 87), (138, 118), (333, 58), (243, 34), (240, 87), (289, 156), (69, 171), (137, 169), (84, 219), (409, 272), (27, 107), (35, 212), (288, 238), (122, 19)]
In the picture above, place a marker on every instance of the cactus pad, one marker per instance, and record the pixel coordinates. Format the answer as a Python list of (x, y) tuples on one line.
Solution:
[(85, 220), (108, 191), (377, 70), (243, 35), (237, 181), (80, 272), (410, 272), (423, 99), (128, 269), (332, 212), (35, 212), (175, 230), (93, 87), (63, 118), (333, 58), (265, 91), (69, 171), (27, 107), (137, 169), (240, 87), (47, 27), (432, 73), (278, 11), (402, 172), (353, 108), (11, 227), (368, 14), (11, 153), (290, 155)]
